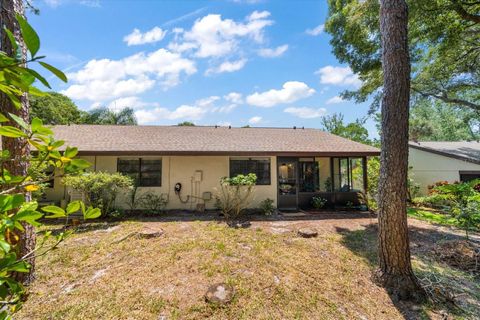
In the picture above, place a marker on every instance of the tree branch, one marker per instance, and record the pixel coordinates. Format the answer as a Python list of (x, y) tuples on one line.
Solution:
[(457, 6), (445, 98)]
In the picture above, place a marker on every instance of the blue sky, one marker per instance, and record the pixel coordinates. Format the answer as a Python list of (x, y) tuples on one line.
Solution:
[(232, 62)]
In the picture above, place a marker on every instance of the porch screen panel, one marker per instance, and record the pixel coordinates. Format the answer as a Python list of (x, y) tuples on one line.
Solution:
[(324, 172), (308, 176), (356, 165), (259, 166)]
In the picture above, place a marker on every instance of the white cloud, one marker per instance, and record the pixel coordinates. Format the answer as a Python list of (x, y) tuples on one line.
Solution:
[(227, 66), (291, 91), (87, 3), (335, 100), (151, 36), (195, 111), (255, 120), (306, 113), (212, 36), (315, 31), (106, 79), (128, 102), (338, 76), (272, 53), (234, 97)]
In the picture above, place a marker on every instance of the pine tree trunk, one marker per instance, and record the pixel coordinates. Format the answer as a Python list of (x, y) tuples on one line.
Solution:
[(18, 149), (395, 271)]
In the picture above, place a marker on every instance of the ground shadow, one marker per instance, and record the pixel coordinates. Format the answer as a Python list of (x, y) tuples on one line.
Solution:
[(363, 243)]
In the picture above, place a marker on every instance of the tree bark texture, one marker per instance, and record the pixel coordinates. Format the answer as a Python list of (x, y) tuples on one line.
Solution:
[(18, 148), (395, 268)]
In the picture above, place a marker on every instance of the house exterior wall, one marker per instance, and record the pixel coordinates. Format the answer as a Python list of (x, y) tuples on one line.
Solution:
[(428, 168), (179, 169)]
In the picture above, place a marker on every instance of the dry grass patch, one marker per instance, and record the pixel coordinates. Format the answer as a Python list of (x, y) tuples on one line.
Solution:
[(276, 276)]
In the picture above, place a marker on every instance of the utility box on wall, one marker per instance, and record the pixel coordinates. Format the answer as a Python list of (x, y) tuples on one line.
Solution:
[(197, 176)]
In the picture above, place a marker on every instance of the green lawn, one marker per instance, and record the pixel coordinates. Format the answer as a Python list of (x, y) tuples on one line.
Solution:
[(432, 216)]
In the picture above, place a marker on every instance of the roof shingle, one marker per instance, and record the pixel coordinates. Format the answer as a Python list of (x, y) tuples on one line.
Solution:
[(112, 139)]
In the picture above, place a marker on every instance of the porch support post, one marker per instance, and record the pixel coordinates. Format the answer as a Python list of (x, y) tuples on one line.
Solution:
[(365, 175)]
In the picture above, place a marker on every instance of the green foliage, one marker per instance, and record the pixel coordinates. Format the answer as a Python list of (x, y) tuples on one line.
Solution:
[(354, 131), (235, 194), (153, 203), (319, 202), (373, 175), (126, 116), (443, 41), (100, 189), (267, 207), (464, 203), (55, 108), (186, 124), (16, 210), (438, 121)]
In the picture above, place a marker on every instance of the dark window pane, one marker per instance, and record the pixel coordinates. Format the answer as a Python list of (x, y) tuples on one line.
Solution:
[(260, 167), (308, 177), (147, 172)]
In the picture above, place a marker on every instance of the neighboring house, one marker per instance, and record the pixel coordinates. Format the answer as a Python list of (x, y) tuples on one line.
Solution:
[(292, 165), (443, 161)]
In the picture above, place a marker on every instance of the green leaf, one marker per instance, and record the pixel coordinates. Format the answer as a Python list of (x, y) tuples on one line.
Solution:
[(80, 163), (19, 121), (28, 216), (12, 132), (9, 202), (20, 266), (3, 118), (30, 37), (92, 213), (12, 39), (5, 246), (73, 207), (36, 124), (55, 71), (70, 152), (57, 211), (40, 78)]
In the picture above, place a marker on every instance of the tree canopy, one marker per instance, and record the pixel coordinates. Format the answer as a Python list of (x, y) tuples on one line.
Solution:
[(354, 131), (55, 108), (103, 115), (186, 124), (444, 37)]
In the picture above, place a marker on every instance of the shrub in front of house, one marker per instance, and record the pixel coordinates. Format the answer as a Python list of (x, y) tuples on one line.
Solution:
[(319, 202), (99, 189), (235, 194), (267, 207)]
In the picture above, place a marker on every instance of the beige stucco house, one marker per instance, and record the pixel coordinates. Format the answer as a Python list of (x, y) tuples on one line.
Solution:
[(292, 165), (443, 161)]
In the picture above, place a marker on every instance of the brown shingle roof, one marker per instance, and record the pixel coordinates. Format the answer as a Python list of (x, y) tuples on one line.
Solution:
[(109, 139), (462, 150)]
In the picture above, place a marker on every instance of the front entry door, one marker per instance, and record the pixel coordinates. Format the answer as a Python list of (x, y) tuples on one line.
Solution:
[(287, 183)]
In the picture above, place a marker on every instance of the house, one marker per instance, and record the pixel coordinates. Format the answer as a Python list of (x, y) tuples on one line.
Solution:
[(443, 161), (186, 163)]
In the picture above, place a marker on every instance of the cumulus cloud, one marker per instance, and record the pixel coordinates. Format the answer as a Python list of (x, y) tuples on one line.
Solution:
[(195, 111), (273, 53), (137, 37), (106, 79), (212, 36), (128, 102), (291, 91), (315, 31), (306, 113), (255, 120), (338, 76), (234, 97), (335, 100), (227, 66)]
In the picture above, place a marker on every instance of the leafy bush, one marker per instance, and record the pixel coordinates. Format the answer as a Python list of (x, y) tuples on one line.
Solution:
[(319, 202), (100, 189), (465, 203), (235, 194), (267, 207), (153, 203)]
